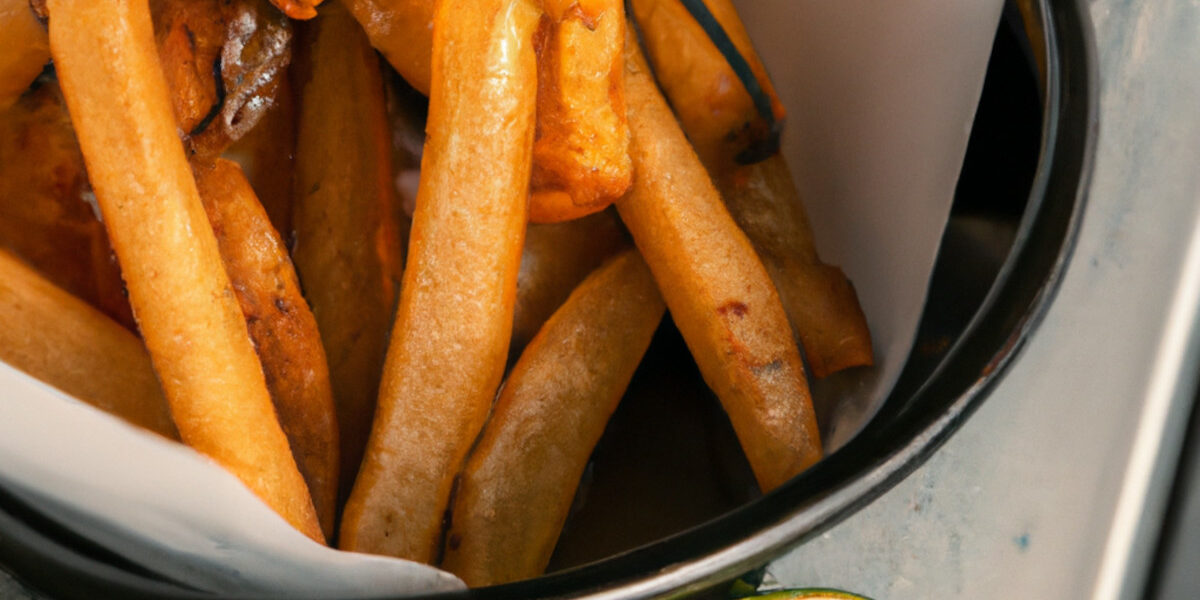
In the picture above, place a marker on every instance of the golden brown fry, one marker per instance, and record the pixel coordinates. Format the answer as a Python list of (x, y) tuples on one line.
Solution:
[(720, 296), (45, 214), (581, 153), (403, 31), (346, 250), (514, 494), (581, 157), (223, 61), (267, 155), (281, 326), (821, 303), (450, 341), (106, 60), (555, 258), (59, 339), (720, 118), (24, 49)]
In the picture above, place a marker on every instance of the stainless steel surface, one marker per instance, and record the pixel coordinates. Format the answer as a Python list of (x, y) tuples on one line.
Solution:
[(1056, 487)]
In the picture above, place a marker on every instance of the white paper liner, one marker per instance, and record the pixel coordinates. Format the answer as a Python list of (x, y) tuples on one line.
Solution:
[(881, 96), (880, 99), (165, 507)]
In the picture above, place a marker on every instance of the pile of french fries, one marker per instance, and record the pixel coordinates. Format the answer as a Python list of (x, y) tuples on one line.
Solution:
[(208, 228)]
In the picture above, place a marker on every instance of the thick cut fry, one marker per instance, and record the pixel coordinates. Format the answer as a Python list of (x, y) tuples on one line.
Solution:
[(451, 337), (224, 60), (581, 153), (346, 249), (720, 296), (722, 121), (515, 492), (556, 257), (403, 31), (46, 217), (24, 49), (59, 339), (281, 326), (106, 61)]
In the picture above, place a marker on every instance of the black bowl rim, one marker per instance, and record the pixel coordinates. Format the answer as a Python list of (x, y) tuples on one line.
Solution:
[(882, 455)]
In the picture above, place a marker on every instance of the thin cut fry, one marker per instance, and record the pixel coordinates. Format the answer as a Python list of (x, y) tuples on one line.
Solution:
[(555, 258), (106, 60), (581, 153), (46, 218), (59, 339), (720, 296), (346, 248), (24, 49), (403, 31), (722, 121), (450, 341), (281, 326), (515, 492)]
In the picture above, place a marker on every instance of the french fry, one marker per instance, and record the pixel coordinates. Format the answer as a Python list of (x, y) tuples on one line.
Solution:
[(46, 218), (581, 156), (224, 61), (581, 148), (820, 301), (281, 326), (61, 340), (719, 294), (24, 49), (450, 340), (581, 161), (106, 61), (403, 31), (515, 492), (722, 121), (718, 114), (555, 258), (346, 249)]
